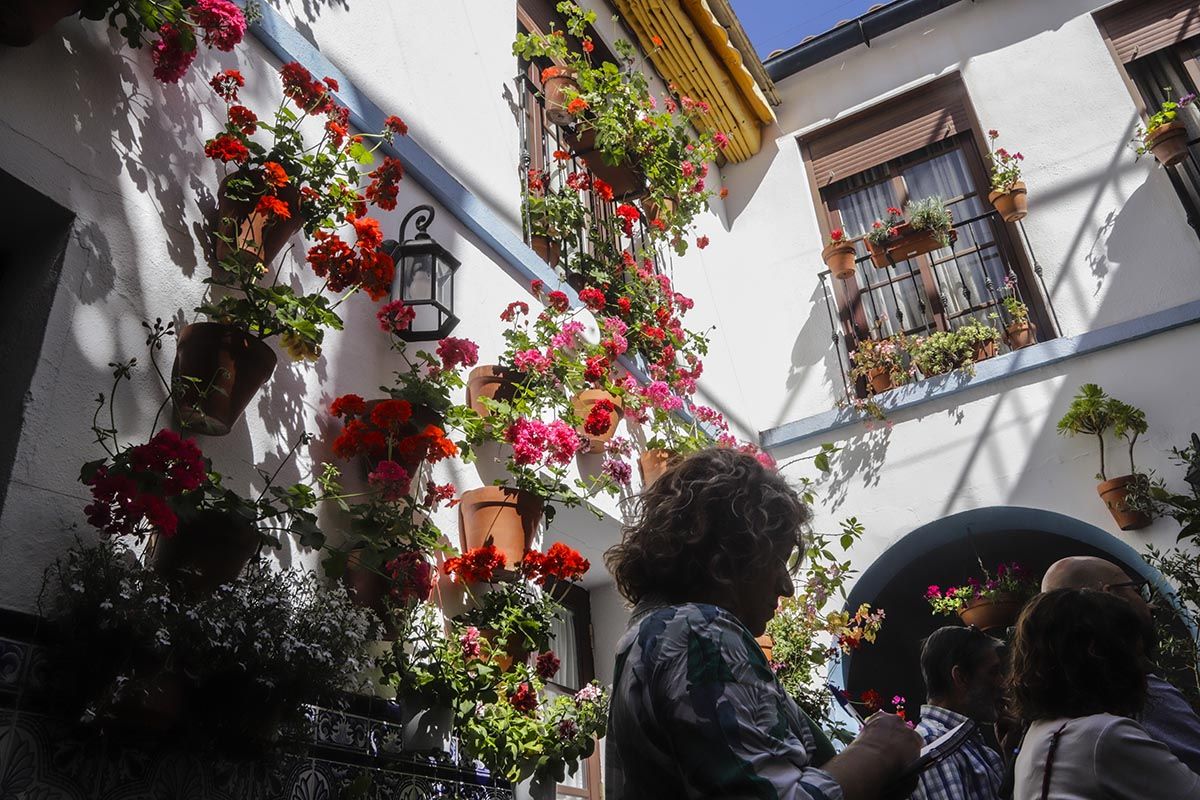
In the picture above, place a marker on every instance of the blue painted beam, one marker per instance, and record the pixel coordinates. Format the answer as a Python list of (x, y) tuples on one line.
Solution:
[(987, 372)]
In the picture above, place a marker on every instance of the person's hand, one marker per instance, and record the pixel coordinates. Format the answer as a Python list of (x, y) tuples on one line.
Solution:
[(896, 744)]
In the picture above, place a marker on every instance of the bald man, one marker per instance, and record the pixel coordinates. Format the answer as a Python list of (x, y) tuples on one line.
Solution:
[(1167, 717)]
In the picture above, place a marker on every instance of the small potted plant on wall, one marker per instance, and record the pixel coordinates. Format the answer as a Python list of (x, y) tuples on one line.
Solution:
[(1093, 412), (1008, 190), (553, 211), (978, 340), (839, 254), (924, 226), (1020, 332), (990, 604), (1164, 135)]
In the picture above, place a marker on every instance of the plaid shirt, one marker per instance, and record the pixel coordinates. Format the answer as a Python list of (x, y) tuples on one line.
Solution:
[(973, 772)]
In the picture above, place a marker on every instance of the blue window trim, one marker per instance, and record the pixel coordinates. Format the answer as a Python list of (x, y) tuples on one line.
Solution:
[(987, 372)]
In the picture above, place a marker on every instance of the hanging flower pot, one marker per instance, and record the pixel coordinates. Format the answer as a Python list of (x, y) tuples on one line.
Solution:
[(426, 727), (1021, 334), (509, 516), (555, 82), (1013, 205), (24, 21), (1000, 611), (626, 180), (907, 243), (206, 551), (652, 464), (369, 588), (1115, 494), (653, 210), (492, 382), (549, 249), (839, 257), (599, 426), (1168, 143), (221, 367), (880, 379), (257, 237)]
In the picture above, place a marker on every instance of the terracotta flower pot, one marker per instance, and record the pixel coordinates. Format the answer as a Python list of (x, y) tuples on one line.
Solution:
[(1021, 334), (1114, 493), (1168, 143), (839, 257), (24, 21), (1013, 205), (583, 402), (222, 367), (767, 643), (509, 516), (206, 551), (880, 379), (549, 249), (651, 210), (984, 351), (990, 614), (492, 382), (653, 464), (555, 80), (906, 244), (627, 181), (258, 238), (369, 589)]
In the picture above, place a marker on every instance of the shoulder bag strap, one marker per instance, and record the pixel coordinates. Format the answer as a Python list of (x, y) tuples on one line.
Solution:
[(1050, 761)]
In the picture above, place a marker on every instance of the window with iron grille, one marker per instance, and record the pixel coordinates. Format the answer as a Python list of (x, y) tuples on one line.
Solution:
[(943, 289)]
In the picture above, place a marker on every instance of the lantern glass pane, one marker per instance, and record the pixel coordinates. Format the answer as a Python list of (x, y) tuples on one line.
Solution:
[(444, 286), (418, 277), (428, 317)]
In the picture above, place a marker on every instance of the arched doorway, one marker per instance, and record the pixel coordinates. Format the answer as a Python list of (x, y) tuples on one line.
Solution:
[(944, 553)]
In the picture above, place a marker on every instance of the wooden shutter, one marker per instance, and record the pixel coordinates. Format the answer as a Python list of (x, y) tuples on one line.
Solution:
[(1138, 28), (892, 129)]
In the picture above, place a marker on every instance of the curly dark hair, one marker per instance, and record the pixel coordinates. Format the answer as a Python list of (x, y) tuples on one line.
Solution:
[(712, 523), (1077, 652)]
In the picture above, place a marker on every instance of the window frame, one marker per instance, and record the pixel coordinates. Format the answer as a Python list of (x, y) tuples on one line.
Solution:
[(578, 601)]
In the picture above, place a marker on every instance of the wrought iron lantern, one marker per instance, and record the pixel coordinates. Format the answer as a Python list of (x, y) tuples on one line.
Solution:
[(424, 279)]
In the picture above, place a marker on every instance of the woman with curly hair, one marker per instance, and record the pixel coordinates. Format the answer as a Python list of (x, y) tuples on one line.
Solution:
[(1078, 677), (696, 711)]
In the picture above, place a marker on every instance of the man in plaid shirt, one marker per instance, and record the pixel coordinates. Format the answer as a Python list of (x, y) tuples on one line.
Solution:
[(964, 681)]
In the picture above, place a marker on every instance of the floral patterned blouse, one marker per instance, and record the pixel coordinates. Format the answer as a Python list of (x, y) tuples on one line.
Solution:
[(697, 713)]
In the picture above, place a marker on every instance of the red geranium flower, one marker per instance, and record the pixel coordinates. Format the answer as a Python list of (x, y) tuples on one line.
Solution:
[(226, 148), (524, 699), (593, 298), (478, 565), (243, 119), (547, 664), (391, 414), (270, 206), (599, 418)]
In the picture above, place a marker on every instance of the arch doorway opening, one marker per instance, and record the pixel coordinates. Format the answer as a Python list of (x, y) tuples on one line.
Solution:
[(947, 552)]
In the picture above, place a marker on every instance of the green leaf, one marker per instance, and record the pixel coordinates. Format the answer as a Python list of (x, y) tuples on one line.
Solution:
[(359, 152)]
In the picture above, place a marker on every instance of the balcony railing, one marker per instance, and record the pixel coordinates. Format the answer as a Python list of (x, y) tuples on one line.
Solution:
[(846, 331)]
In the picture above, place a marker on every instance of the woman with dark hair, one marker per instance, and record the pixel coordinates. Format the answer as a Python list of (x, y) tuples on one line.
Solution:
[(696, 711), (1078, 677)]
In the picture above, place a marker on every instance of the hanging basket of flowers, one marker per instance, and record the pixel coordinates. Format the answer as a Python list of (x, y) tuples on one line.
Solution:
[(218, 369), (991, 604), (1008, 193), (924, 226), (1164, 136), (839, 254)]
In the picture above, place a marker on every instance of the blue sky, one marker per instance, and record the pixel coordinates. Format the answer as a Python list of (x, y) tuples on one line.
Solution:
[(779, 24)]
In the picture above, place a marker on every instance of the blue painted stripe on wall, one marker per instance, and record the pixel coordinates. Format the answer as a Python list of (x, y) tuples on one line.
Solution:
[(512, 254), (990, 371)]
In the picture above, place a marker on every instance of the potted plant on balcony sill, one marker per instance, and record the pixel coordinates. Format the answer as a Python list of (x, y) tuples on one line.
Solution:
[(924, 226), (553, 211), (1164, 135), (173, 30), (991, 604), (1020, 332), (839, 254), (978, 340), (1093, 412), (883, 363), (1008, 193)]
